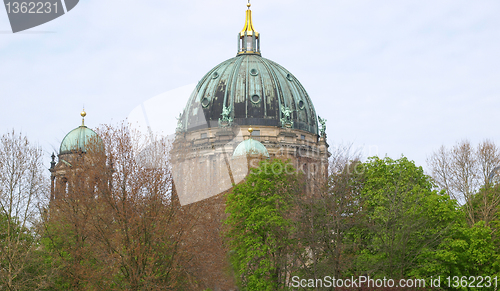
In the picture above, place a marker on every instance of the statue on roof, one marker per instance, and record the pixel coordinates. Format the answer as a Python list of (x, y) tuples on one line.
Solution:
[(179, 123), (322, 131)]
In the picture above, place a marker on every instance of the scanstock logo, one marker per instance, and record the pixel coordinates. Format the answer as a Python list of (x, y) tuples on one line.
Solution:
[(26, 14)]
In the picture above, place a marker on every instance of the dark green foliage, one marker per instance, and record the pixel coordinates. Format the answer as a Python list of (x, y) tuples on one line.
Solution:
[(260, 226), (468, 251), (403, 217), (381, 218)]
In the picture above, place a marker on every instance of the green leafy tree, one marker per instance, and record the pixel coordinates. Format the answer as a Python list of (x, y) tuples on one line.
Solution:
[(468, 251), (260, 227), (405, 218)]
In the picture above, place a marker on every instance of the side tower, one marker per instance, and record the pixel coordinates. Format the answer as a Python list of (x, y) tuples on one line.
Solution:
[(71, 157)]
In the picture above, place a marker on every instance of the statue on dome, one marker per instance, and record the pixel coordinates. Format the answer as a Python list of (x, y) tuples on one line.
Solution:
[(226, 120), (286, 120)]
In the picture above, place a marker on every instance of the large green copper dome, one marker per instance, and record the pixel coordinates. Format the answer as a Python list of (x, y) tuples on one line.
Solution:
[(249, 90), (257, 91)]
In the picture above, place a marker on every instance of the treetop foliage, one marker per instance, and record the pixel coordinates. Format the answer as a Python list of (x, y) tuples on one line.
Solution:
[(116, 225)]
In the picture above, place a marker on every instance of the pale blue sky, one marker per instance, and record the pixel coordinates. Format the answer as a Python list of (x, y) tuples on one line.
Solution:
[(397, 77)]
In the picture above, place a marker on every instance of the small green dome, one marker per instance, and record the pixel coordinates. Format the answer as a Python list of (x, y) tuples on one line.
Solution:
[(250, 147), (77, 139)]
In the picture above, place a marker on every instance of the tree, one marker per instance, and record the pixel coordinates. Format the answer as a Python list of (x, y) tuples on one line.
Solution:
[(404, 217), (484, 204), (326, 219), (463, 170), (260, 228), (117, 227), (22, 190), (466, 251)]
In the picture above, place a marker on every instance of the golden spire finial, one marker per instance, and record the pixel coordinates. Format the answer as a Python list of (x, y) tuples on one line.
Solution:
[(249, 38), (248, 29), (250, 130), (83, 114)]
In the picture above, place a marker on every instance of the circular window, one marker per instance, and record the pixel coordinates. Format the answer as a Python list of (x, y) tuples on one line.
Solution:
[(205, 102), (254, 72), (215, 75), (301, 104), (255, 98), (289, 77)]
